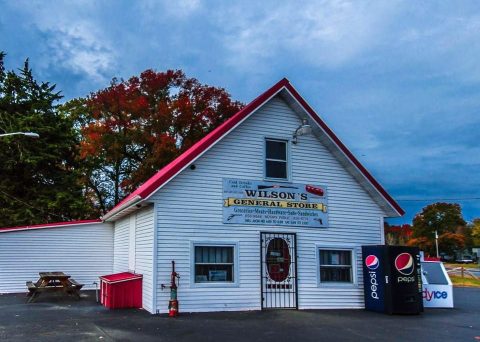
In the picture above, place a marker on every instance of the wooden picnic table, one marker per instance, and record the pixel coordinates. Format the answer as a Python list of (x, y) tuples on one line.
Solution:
[(53, 282)]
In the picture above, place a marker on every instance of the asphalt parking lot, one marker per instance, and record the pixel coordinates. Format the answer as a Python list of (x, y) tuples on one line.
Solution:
[(63, 319)]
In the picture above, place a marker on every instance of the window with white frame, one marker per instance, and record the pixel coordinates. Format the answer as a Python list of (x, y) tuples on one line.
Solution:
[(276, 159), (336, 265), (214, 264)]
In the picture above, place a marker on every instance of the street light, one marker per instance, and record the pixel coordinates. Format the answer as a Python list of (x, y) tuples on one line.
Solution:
[(303, 129), (27, 134)]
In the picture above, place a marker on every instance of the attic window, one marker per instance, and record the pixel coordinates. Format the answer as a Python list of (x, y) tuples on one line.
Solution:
[(276, 159)]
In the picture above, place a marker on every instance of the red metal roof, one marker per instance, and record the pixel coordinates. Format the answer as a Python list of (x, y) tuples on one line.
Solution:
[(170, 170), (118, 277), (49, 225)]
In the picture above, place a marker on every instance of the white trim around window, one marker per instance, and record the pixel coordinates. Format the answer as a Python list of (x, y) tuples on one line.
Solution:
[(214, 243), (354, 251)]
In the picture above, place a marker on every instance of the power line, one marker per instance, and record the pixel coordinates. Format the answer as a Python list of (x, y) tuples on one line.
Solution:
[(438, 199)]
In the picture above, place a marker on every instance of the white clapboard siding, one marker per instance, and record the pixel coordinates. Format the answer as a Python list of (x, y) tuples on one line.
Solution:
[(120, 245), (190, 209), (83, 251), (144, 254), (141, 249)]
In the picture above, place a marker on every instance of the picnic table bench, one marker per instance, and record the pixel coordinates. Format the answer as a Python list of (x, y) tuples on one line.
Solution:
[(53, 282)]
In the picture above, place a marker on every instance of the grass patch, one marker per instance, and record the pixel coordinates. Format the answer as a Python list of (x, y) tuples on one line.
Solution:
[(449, 265), (471, 282)]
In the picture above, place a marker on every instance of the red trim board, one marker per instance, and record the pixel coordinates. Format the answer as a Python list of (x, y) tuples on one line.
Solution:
[(49, 225)]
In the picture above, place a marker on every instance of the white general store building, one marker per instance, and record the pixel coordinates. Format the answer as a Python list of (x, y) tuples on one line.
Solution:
[(252, 216)]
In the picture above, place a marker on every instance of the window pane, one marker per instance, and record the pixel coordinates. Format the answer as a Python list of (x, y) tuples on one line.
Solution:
[(213, 264), (213, 273), (330, 257), (336, 266), (276, 150), (275, 169), (324, 257), (213, 255), (336, 274)]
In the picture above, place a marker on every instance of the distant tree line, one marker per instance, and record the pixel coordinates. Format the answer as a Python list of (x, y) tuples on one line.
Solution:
[(94, 151), (445, 219)]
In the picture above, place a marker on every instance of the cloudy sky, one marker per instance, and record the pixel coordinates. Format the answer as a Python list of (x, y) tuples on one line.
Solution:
[(398, 81)]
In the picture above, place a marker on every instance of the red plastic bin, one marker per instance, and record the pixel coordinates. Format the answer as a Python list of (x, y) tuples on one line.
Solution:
[(121, 290)]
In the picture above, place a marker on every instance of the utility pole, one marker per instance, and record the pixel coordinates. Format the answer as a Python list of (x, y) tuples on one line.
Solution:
[(436, 243)]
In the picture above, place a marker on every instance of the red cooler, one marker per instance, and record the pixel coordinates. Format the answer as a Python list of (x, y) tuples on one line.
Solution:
[(121, 290)]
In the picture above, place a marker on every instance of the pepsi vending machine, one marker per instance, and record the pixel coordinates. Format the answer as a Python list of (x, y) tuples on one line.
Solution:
[(392, 279)]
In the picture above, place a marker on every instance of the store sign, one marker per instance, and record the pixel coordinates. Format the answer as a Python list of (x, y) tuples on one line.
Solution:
[(269, 203)]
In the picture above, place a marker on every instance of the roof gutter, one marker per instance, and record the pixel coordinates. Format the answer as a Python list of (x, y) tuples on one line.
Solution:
[(135, 200)]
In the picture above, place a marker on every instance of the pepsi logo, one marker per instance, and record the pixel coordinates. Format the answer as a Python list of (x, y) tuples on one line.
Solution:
[(372, 262), (404, 263)]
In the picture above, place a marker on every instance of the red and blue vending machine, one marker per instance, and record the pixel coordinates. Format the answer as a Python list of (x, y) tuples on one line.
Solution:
[(392, 279)]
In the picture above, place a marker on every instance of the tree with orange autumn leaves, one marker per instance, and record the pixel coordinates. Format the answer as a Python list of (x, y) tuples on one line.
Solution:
[(133, 128), (397, 235), (445, 218)]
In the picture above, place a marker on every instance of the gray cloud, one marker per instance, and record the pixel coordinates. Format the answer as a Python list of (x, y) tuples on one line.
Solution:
[(398, 82)]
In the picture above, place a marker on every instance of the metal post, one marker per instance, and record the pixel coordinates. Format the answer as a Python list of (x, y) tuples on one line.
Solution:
[(96, 290)]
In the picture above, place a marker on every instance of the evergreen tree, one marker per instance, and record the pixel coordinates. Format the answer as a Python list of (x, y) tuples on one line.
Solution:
[(39, 179)]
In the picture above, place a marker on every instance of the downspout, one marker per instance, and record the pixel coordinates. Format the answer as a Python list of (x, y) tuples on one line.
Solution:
[(155, 257), (382, 230)]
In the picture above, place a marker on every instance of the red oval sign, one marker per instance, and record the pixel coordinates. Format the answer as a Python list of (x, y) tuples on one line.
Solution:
[(278, 259)]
